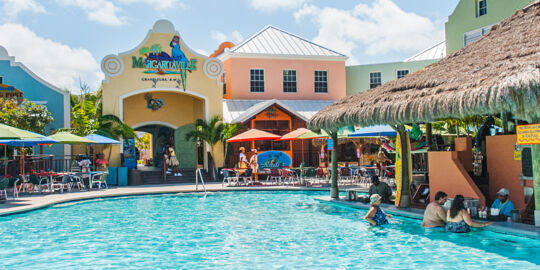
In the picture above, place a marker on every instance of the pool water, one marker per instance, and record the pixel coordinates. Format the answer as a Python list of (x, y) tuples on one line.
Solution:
[(242, 230)]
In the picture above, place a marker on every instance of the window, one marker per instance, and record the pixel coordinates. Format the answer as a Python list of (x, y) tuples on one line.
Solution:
[(374, 79), (402, 73), (224, 83), (1, 80), (321, 81), (481, 8), (256, 80), (289, 81)]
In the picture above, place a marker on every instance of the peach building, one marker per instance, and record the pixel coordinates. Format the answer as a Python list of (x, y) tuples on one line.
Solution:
[(276, 81)]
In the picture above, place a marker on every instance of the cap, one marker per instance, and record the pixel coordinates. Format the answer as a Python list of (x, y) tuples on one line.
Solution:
[(503, 191), (374, 198)]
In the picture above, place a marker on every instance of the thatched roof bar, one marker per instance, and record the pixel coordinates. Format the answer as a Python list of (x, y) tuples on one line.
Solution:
[(498, 73)]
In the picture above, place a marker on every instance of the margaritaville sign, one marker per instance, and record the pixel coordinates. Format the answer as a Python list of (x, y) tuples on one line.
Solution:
[(155, 61)]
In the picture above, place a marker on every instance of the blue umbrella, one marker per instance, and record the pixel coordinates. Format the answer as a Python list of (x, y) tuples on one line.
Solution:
[(101, 139), (374, 131), (28, 142)]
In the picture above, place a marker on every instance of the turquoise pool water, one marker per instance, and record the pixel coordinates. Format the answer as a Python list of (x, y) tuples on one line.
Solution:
[(241, 230)]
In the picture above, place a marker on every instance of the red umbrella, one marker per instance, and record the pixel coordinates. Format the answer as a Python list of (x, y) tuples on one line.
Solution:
[(253, 135), (293, 135)]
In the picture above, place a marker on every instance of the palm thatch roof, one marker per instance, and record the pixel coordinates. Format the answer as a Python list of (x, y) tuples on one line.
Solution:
[(498, 73)]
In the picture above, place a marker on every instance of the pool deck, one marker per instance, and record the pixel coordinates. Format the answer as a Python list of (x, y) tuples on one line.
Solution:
[(32, 202), (501, 227), (27, 203)]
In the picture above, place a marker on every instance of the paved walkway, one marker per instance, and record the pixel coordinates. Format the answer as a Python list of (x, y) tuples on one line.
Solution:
[(31, 202)]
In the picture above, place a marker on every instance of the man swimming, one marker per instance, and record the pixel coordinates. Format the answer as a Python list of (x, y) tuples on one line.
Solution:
[(435, 215)]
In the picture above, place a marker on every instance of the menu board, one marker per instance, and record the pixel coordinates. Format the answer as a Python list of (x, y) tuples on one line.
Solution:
[(526, 162)]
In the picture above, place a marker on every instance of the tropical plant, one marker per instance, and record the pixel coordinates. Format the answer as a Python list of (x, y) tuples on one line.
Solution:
[(210, 132), (229, 130), (28, 115), (111, 126)]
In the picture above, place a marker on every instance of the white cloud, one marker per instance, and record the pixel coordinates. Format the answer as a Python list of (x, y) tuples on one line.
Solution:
[(380, 28), (235, 36), (158, 4), (12, 8), (56, 63), (274, 5), (102, 11)]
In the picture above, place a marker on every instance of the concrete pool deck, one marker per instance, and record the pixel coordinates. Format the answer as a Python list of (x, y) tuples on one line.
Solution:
[(518, 229), (27, 203)]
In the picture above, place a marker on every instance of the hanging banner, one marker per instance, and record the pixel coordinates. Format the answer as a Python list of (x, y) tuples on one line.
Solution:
[(528, 134), (273, 160), (330, 144), (398, 169), (130, 156)]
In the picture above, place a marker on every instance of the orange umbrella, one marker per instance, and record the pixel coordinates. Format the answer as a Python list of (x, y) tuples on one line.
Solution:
[(253, 135), (293, 135)]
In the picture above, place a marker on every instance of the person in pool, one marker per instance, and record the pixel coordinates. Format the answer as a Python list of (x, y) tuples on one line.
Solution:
[(458, 219), (375, 216), (435, 215)]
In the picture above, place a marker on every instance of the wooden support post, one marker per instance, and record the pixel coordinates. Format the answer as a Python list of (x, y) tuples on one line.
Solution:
[(406, 170), (334, 191), (429, 135), (535, 155)]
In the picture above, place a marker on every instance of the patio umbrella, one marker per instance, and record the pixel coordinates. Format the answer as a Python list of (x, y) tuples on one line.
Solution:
[(294, 135), (99, 139), (313, 135), (253, 135), (68, 138), (16, 137), (374, 131)]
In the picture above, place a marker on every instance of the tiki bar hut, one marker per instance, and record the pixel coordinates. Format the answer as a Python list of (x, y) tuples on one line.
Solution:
[(498, 74)]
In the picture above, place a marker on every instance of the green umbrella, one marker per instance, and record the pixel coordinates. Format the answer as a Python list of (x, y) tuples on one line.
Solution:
[(68, 138), (9, 132), (313, 135)]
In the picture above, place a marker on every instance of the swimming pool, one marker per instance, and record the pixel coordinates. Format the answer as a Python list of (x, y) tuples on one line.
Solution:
[(241, 230)]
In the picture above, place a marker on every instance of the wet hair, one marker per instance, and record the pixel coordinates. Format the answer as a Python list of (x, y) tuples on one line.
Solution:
[(374, 178), (439, 195), (457, 205)]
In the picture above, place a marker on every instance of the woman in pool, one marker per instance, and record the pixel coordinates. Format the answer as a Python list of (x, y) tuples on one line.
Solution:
[(458, 219), (375, 216)]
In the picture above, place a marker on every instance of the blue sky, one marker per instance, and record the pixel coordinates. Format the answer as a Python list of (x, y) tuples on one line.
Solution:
[(64, 40)]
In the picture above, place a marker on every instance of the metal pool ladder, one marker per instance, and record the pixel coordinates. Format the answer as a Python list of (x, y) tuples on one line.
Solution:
[(198, 175)]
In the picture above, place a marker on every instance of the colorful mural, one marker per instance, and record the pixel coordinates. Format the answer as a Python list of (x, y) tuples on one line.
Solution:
[(273, 160), (153, 103)]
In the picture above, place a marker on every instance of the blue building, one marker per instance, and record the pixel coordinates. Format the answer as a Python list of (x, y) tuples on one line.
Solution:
[(17, 75)]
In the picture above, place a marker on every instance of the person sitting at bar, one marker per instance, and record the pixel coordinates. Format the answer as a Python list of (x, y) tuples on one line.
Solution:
[(435, 215), (376, 216), (458, 219), (502, 203), (380, 188)]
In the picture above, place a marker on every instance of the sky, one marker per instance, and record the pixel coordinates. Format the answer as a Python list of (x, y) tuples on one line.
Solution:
[(63, 41)]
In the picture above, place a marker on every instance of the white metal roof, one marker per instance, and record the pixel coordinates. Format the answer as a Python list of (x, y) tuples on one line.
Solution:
[(436, 51), (273, 41), (240, 110)]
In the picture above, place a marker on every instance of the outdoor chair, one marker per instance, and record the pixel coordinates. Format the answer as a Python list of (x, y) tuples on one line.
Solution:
[(274, 175), (345, 174), (31, 182), (228, 175), (321, 175), (288, 176), (247, 177), (100, 179), (4, 182), (310, 174), (13, 184)]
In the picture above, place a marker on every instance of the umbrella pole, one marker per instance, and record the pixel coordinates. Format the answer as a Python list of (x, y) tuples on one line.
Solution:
[(5, 156), (302, 142), (63, 158)]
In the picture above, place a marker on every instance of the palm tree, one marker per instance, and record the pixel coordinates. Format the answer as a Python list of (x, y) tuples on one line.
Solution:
[(210, 132), (229, 130), (111, 126)]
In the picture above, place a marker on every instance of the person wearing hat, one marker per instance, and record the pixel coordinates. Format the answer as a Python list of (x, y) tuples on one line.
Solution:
[(242, 159), (502, 203), (376, 216), (381, 188), (253, 164)]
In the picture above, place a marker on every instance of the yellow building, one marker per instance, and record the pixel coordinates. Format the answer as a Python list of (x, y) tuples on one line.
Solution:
[(161, 87)]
